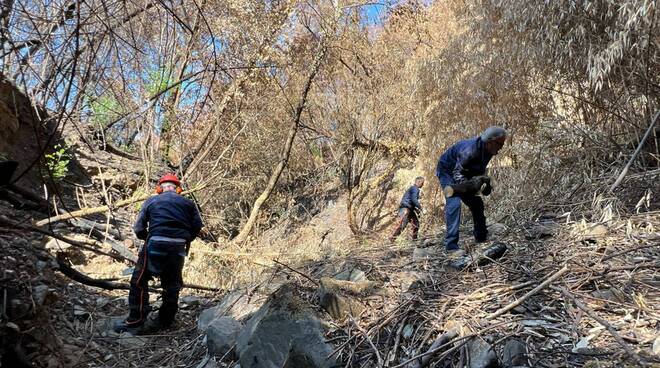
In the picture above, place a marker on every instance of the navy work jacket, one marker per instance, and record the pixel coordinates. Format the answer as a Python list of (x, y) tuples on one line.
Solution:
[(410, 198), (462, 161), (168, 215)]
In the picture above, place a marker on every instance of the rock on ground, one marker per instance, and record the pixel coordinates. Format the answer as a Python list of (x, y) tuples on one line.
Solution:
[(497, 228), (514, 354), (236, 304), (221, 335), (284, 332), (420, 254), (493, 252), (481, 354), (354, 275), (338, 297)]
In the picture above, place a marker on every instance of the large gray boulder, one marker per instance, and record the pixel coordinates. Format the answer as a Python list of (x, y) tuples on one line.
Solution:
[(284, 332), (237, 304), (221, 335)]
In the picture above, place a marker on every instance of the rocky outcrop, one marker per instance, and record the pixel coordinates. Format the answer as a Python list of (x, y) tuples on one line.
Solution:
[(284, 332), (16, 113), (221, 335), (237, 305)]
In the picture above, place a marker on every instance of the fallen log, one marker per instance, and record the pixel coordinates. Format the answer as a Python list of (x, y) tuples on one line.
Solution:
[(470, 187), (42, 203), (102, 209), (96, 228), (80, 277), (17, 202)]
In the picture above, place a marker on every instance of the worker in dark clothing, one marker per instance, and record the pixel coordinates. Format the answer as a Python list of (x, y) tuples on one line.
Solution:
[(408, 210), (461, 162), (167, 222)]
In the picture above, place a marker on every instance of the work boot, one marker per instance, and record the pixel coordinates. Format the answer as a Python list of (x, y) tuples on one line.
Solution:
[(121, 326)]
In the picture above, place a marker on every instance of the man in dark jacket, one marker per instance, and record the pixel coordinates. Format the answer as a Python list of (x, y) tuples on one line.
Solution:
[(462, 161), (168, 222), (408, 210)]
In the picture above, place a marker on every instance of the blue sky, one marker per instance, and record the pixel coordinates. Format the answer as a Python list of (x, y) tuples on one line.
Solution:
[(375, 13)]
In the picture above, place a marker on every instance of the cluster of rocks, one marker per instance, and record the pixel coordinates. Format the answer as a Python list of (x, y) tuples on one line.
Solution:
[(27, 282), (281, 331), (285, 328)]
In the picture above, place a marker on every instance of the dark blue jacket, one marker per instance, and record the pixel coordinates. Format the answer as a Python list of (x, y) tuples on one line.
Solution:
[(410, 198), (462, 161), (170, 215)]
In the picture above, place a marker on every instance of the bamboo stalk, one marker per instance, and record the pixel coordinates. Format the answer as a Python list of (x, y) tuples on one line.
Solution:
[(634, 155), (541, 286)]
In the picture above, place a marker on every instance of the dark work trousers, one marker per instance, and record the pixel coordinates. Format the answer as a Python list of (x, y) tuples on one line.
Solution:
[(406, 215), (453, 219), (162, 259)]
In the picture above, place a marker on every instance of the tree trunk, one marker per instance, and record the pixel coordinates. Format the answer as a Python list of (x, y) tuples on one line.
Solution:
[(286, 151)]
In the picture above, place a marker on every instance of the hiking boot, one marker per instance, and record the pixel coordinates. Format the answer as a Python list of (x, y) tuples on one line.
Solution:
[(122, 326)]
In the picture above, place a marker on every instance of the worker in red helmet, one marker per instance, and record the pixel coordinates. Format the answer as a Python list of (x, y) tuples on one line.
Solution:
[(167, 222)]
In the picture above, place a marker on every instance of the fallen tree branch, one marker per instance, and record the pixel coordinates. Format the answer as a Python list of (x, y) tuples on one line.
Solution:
[(42, 203), (316, 283), (102, 209), (80, 277), (541, 286), (371, 343), (462, 339), (604, 323)]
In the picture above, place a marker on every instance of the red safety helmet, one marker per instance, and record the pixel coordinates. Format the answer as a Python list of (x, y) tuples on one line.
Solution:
[(169, 178)]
